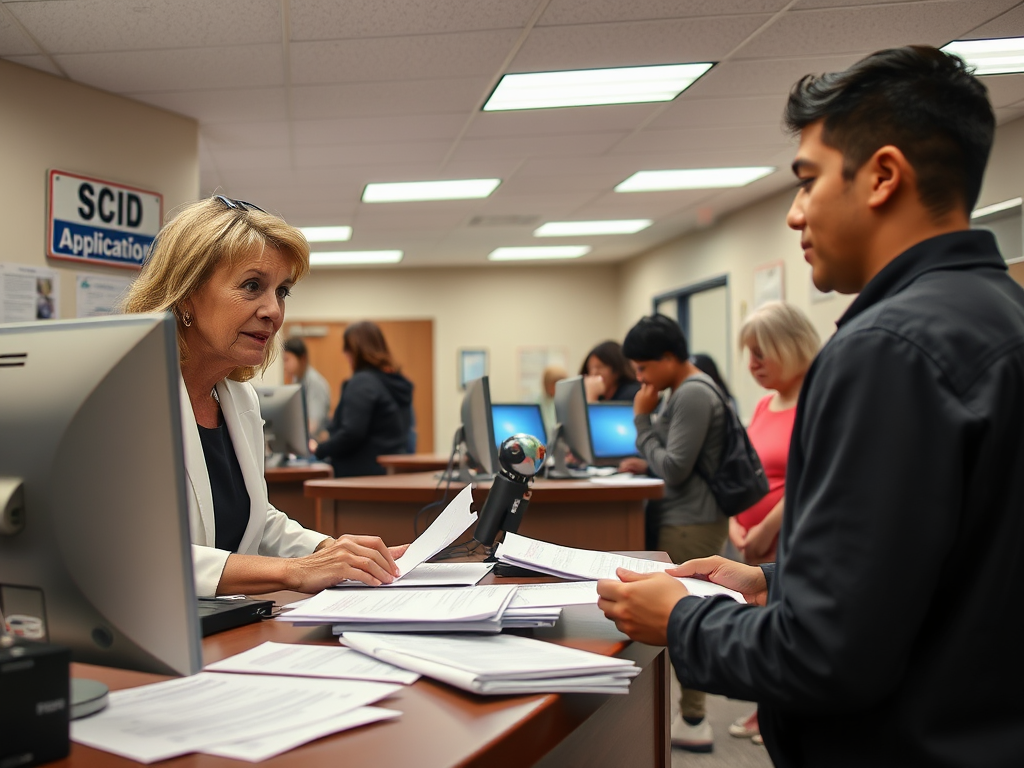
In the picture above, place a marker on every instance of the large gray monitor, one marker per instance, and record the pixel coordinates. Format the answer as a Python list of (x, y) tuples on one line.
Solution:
[(285, 428), (94, 533), (572, 429), (474, 438)]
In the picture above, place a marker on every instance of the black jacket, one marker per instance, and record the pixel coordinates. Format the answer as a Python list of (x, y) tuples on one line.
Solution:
[(893, 632), (373, 418)]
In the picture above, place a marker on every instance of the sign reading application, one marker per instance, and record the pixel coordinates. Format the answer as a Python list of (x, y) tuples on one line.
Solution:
[(100, 222)]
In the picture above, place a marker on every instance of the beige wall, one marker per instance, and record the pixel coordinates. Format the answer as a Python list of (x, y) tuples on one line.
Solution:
[(497, 308), (47, 122)]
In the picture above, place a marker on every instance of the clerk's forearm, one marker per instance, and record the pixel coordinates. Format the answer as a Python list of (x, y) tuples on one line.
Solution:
[(254, 575)]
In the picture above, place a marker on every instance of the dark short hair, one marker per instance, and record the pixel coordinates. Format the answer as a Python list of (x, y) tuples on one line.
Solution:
[(652, 337), (610, 353), (296, 346), (365, 342), (918, 99)]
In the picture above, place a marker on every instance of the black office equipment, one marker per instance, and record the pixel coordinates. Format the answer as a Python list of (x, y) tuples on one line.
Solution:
[(218, 614)]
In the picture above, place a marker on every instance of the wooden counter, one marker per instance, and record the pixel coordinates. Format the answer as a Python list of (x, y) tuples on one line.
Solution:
[(284, 489)]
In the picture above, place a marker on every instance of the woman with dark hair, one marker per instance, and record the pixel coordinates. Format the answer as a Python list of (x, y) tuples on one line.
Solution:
[(608, 375), (707, 364), (374, 415)]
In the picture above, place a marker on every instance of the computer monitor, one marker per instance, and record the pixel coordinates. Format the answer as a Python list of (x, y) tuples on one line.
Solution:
[(612, 431), (517, 419), (572, 430), (286, 427), (94, 533), (475, 437)]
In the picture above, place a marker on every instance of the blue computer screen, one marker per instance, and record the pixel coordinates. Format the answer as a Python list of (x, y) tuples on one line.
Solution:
[(515, 418), (612, 432)]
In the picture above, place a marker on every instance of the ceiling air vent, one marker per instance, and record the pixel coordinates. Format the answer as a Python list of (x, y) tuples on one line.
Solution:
[(510, 220)]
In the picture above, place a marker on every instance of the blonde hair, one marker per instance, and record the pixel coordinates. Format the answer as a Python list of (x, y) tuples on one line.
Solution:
[(784, 334), (203, 236)]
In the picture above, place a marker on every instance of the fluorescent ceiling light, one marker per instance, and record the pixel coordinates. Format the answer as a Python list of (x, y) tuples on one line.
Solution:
[(408, 191), (990, 57), (692, 178), (342, 258), (533, 252), (988, 210), (607, 227), (589, 87), (326, 234)]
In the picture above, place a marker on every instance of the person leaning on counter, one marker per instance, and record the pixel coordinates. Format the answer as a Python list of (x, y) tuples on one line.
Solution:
[(224, 268)]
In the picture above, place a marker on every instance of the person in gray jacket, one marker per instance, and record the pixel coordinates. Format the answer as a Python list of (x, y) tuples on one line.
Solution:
[(684, 443)]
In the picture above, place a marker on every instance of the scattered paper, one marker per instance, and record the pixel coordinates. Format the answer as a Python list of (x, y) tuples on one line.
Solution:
[(438, 604), (312, 661), (435, 575), (558, 594)]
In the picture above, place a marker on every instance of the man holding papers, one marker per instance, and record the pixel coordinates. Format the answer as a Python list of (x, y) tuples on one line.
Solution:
[(887, 630)]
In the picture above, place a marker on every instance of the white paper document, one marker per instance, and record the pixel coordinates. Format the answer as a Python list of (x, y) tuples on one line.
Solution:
[(312, 661), (404, 605), (551, 595), (435, 575), (449, 525), (188, 714), (500, 663), (266, 747), (627, 479)]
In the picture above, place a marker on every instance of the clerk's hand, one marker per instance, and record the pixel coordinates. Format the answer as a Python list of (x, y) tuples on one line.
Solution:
[(646, 400), (748, 580), (633, 464), (640, 604), (360, 558)]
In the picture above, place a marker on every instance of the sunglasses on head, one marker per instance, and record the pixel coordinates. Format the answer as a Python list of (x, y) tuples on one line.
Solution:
[(238, 205)]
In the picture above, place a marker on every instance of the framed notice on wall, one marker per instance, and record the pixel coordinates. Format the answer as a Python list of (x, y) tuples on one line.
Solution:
[(769, 283), (472, 365)]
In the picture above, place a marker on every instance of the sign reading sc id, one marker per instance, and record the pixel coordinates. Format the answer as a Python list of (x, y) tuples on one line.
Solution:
[(100, 222)]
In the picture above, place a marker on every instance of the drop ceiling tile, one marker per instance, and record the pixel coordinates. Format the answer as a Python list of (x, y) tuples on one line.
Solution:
[(633, 43), (801, 5), (373, 155), (594, 11), (688, 112), (317, 102), (13, 41), (718, 138), (247, 66), (329, 19), (247, 134), (1009, 24), (378, 129), (267, 159), (530, 185), (370, 219), (547, 122), (1004, 90), (648, 205), (537, 146), (113, 25), (222, 106), (419, 57), (864, 29), (767, 77), (42, 63), (1009, 114)]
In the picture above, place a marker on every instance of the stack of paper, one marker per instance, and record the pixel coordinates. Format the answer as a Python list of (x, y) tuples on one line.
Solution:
[(247, 717), (570, 563), (297, 660), (434, 575), (501, 664)]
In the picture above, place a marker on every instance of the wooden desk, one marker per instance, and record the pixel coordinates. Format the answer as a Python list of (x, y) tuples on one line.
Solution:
[(441, 726), (401, 463), (284, 488), (575, 513)]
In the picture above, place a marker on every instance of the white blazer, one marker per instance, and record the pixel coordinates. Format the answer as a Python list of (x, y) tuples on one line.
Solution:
[(270, 531)]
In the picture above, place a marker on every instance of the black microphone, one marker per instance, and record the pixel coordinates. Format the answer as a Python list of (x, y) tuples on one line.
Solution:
[(519, 457)]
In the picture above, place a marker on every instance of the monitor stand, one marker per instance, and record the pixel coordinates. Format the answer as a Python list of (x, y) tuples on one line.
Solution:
[(87, 697)]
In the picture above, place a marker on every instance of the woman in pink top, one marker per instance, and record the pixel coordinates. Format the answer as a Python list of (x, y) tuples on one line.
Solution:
[(782, 343)]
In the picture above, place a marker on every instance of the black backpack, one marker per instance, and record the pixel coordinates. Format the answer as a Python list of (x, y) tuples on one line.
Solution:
[(739, 482)]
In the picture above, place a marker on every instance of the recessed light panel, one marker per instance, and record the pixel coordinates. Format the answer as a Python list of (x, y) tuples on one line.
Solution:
[(326, 234), (413, 191), (590, 87), (988, 210), (346, 258), (529, 253), (692, 178), (576, 228), (990, 57)]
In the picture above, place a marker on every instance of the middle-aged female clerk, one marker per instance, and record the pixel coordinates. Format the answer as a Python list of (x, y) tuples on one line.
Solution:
[(224, 268)]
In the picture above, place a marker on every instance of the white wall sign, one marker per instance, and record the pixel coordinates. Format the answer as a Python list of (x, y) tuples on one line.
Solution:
[(100, 222), (99, 295), (28, 293)]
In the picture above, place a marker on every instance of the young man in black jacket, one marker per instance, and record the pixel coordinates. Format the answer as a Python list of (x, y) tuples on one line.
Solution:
[(888, 632)]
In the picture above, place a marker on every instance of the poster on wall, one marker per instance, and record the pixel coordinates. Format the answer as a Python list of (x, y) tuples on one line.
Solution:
[(98, 295), (532, 362), (92, 221), (28, 293), (472, 365), (769, 284)]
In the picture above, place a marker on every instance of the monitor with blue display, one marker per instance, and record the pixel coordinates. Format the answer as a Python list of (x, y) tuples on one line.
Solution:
[(612, 431), (517, 419)]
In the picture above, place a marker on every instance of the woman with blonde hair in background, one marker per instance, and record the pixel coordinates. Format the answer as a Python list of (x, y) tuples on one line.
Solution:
[(224, 268), (781, 343)]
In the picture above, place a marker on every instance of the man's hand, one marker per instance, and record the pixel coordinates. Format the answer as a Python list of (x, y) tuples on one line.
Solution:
[(633, 464), (646, 400), (748, 580), (640, 604)]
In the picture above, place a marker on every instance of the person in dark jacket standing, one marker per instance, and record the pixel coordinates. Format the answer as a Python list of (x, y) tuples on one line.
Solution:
[(374, 415), (888, 631)]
